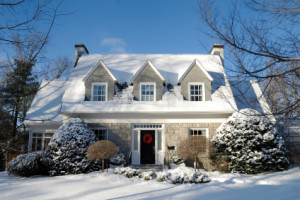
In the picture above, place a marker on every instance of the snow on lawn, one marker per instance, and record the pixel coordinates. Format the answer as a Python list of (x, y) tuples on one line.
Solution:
[(97, 185)]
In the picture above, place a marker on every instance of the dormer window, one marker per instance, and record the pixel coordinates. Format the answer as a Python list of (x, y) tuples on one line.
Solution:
[(99, 91), (196, 92), (148, 91)]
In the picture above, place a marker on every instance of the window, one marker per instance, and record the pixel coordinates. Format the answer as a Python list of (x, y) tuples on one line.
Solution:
[(147, 126), (99, 91), (101, 134), (40, 141), (198, 132), (37, 139), (196, 91), (148, 91)]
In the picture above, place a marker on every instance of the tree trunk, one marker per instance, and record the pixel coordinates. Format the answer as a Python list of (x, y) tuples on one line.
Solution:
[(15, 118)]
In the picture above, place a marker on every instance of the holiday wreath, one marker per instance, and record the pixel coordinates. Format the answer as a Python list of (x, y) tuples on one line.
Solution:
[(147, 138)]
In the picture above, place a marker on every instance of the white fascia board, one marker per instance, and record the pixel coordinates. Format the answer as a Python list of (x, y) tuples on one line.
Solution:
[(148, 62), (91, 71), (195, 62)]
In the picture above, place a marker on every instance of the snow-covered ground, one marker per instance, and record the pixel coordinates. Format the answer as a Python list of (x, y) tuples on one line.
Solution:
[(280, 185)]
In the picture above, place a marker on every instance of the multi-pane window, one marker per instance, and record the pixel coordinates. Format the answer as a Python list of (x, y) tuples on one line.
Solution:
[(147, 92), (101, 134), (196, 92), (197, 132), (147, 126), (37, 139), (99, 91), (40, 141)]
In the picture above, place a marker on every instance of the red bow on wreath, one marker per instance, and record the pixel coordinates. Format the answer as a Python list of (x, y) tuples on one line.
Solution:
[(147, 138)]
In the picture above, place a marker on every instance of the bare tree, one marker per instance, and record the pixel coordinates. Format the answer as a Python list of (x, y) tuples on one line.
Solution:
[(191, 147), (20, 28), (22, 16), (263, 40), (102, 149)]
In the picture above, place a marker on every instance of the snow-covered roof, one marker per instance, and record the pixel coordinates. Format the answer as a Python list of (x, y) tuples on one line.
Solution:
[(248, 94), (125, 66), (171, 67), (68, 96), (46, 104)]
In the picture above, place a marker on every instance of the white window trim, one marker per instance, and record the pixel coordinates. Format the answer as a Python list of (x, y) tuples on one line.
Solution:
[(197, 83), (206, 131), (102, 128), (99, 83), (148, 83)]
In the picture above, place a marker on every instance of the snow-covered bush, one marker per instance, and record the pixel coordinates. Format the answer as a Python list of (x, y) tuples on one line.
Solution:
[(148, 175), (199, 178), (27, 165), (127, 171), (162, 176), (67, 149), (118, 159), (250, 143), (176, 159), (180, 175)]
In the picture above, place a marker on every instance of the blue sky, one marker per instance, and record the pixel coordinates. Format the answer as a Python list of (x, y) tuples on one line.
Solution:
[(129, 26)]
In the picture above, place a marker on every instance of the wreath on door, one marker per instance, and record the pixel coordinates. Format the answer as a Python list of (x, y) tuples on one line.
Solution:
[(147, 138)]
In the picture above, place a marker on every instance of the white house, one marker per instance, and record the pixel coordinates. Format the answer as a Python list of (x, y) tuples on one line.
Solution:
[(145, 103)]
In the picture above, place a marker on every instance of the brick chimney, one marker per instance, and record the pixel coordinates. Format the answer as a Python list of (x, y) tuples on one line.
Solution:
[(217, 49), (80, 49)]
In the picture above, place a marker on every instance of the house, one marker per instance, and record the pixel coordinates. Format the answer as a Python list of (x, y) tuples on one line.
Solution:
[(145, 103)]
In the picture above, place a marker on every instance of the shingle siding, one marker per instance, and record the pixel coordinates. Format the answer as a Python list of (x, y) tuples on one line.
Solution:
[(100, 75), (196, 75), (148, 75)]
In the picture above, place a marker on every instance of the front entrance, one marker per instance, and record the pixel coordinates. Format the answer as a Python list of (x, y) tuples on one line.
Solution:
[(147, 146)]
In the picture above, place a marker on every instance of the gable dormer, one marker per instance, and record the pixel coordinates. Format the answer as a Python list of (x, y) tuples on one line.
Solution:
[(148, 83), (99, 83), (196, 83)]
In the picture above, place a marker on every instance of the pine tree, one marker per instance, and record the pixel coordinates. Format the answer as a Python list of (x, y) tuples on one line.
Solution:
[(17, 94), (251, 143)]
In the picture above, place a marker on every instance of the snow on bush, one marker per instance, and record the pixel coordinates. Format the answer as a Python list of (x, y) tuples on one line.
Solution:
[(148, 175), (179, 175), (27, 165), (251, 143), (67, 149), (176, 160), (118, 159), (127, 171)]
